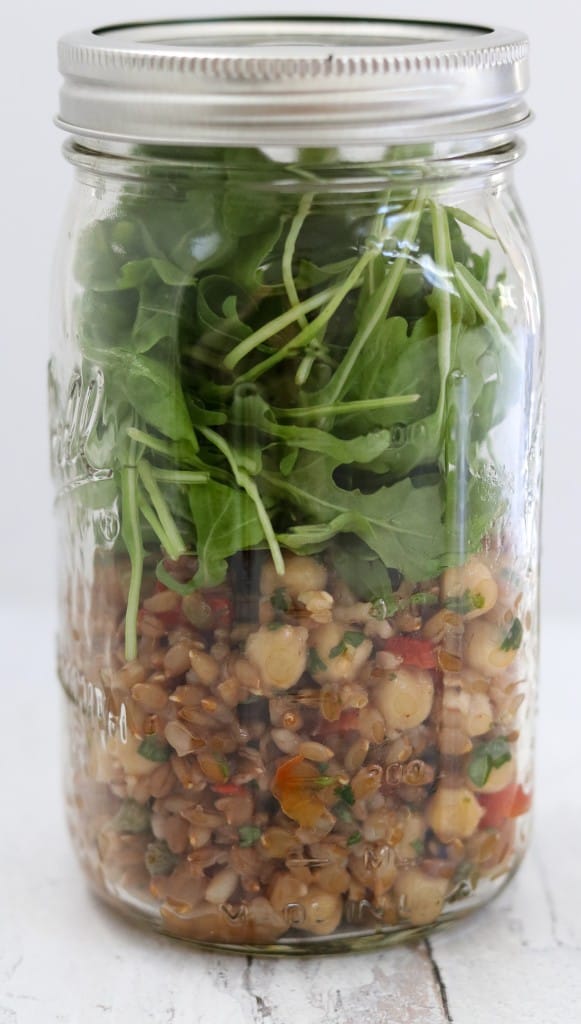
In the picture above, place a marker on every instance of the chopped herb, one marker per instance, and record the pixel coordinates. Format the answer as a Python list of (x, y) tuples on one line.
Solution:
[(346, 794), (354, 838), (338, 650), (280, 600), (419, 846), (353, 638), (479, 767), (314, 663), (486, 757), (249, 835), (342, 812), (223, 766), (155, 749), (423, 598), (131, 817), (275, 624), (464, 603), (159, 860), (513, 638), (498, 751)]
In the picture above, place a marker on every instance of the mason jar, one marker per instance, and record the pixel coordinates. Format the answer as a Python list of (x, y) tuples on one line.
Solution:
[(296, 419)]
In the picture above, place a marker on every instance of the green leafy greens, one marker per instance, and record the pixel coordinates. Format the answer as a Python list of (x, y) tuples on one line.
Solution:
[(284, 370)]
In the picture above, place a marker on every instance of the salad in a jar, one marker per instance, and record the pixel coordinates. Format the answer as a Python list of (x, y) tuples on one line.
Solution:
[(310, 632)]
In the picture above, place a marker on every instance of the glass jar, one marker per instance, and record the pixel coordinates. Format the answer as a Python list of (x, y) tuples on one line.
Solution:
[(296, 416)]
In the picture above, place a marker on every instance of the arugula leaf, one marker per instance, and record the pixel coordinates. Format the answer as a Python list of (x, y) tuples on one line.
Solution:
[(226, 521), (401, 523)]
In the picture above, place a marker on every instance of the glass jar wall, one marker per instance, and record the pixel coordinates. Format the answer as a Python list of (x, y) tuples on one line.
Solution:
[(295, 426)]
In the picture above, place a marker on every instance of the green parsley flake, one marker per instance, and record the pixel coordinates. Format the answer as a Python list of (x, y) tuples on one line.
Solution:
[(337, 651), (343, 813), (486, 757), (249, 835), (513, 638), (346, 794), (131, 817), (314, 663), (353, 638), (280, 600), (154, 749), (354, 838), (464, 603)]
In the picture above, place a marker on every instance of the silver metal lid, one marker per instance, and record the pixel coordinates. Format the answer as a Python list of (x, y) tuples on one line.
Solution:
[(292, 81)]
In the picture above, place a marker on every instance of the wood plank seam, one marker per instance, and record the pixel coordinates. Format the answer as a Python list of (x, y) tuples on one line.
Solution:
[(439, 980)]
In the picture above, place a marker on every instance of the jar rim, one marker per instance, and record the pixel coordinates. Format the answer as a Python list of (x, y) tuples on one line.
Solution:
[(306, 81)]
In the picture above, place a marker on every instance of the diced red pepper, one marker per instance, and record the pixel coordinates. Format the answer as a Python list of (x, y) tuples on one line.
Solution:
[(412, 650), (221, 608), (522, 803), (228, 789), (510, 802)]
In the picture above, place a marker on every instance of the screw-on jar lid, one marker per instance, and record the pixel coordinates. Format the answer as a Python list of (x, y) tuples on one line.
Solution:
[(292, 81)]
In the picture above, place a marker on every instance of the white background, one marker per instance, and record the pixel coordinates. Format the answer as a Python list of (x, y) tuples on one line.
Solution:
[(33, 184)]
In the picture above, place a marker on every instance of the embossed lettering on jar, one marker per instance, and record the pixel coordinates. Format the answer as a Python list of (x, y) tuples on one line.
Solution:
[(295, 413)]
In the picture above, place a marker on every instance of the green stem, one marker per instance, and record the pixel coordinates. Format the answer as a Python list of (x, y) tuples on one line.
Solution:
[(471, 222), (178, 451), (180, 476), (290, 316), (131, 532), (477, 296), (289, 251), (247, 484), (150, 517), (177, 546), (345, 408), (304, 337), (333, 390), (456, 468), (445, 263)]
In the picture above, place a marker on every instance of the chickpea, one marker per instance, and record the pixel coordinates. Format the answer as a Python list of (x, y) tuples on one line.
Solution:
[(420, 897), (472, 710), (483, 642), (322, 911), (479, 717), (405, 697), (339, 667), (498, 779), (279, 655), (454, 813), (474, 581), (414, 828), (300, 574)]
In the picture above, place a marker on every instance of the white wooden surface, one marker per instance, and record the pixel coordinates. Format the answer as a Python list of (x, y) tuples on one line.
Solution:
[(64, 959)]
